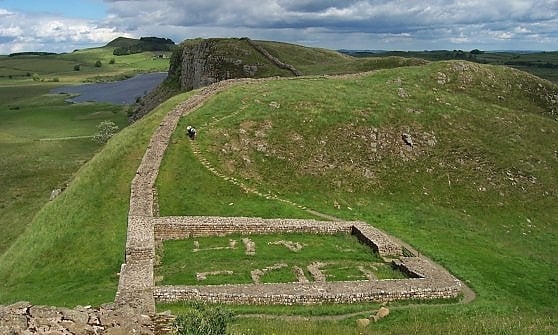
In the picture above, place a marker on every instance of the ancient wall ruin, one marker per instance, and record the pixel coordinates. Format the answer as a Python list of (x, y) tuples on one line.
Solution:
[(427, 280), (136, 287)]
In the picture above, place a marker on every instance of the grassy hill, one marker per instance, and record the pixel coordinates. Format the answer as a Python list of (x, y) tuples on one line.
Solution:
[(476, 191)]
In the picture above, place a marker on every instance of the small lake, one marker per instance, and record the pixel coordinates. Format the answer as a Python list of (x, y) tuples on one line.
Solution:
[(124, 92)]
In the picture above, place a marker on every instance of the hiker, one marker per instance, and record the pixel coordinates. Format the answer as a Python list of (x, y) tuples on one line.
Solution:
[(191, 132)]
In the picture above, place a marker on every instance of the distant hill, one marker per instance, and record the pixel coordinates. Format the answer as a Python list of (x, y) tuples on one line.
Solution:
[(32, 53), (127, 46), (543, 64)]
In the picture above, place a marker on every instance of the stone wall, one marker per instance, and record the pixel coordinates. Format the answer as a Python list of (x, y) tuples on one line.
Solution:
[(427, 281), (136, 286), (309, 293), (275, 60), (171, 228)]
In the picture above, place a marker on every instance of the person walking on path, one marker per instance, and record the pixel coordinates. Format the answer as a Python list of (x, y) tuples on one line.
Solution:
[(191, 132)]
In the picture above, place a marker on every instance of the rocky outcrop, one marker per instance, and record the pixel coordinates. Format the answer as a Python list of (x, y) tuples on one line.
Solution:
[(24, 318), (205, 62), (202, 62)]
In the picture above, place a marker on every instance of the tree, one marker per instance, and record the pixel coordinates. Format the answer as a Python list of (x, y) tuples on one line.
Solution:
[(105, 130), (98, 63), (76, 67)]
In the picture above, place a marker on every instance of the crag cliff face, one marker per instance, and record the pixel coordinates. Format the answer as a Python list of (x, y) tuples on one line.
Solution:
[(205, 63)]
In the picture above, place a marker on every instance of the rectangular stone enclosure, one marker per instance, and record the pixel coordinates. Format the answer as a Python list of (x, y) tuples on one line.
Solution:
[(426, 280)]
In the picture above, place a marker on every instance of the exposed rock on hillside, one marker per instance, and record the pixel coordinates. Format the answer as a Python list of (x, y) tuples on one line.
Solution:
[(25, 318)]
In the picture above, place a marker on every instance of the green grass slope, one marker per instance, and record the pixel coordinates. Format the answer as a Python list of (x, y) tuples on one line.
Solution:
[(43, 142), (317, 61), (71, 252), (476, 191)]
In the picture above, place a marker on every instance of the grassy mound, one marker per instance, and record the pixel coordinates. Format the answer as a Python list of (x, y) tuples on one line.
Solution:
[(457, 159)]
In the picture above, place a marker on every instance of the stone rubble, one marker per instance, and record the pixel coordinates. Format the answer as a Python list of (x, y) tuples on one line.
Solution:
[(24, 318)]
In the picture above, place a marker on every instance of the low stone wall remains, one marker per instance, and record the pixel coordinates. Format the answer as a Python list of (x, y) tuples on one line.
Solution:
[(136, 274), (427, 281), (174, 227), (308, 293)]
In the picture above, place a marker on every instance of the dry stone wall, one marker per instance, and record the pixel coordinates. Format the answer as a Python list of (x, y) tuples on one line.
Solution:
[(172, 228), (427, 281), (438, 287), (136, 286)]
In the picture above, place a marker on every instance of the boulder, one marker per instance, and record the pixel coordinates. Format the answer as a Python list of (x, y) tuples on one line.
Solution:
[(382, 312), (362, 323)]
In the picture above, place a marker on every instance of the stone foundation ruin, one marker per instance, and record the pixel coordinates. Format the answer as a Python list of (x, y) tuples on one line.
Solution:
[(136, 287)]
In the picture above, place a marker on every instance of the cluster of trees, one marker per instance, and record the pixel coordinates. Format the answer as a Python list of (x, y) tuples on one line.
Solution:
[(31, 53), (98, 63), (145, 44), (460, 54)]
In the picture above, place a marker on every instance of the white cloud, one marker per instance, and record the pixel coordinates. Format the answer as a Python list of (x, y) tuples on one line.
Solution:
[(373, 24), (43, 32)]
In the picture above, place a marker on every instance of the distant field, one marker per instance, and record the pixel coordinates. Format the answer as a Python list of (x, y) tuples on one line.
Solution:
[(542, 64), (61, 67)]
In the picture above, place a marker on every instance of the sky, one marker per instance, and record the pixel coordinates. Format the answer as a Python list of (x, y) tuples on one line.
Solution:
[(66, 25)]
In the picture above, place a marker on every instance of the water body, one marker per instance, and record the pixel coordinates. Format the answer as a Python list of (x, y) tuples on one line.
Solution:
[(122, 92)]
